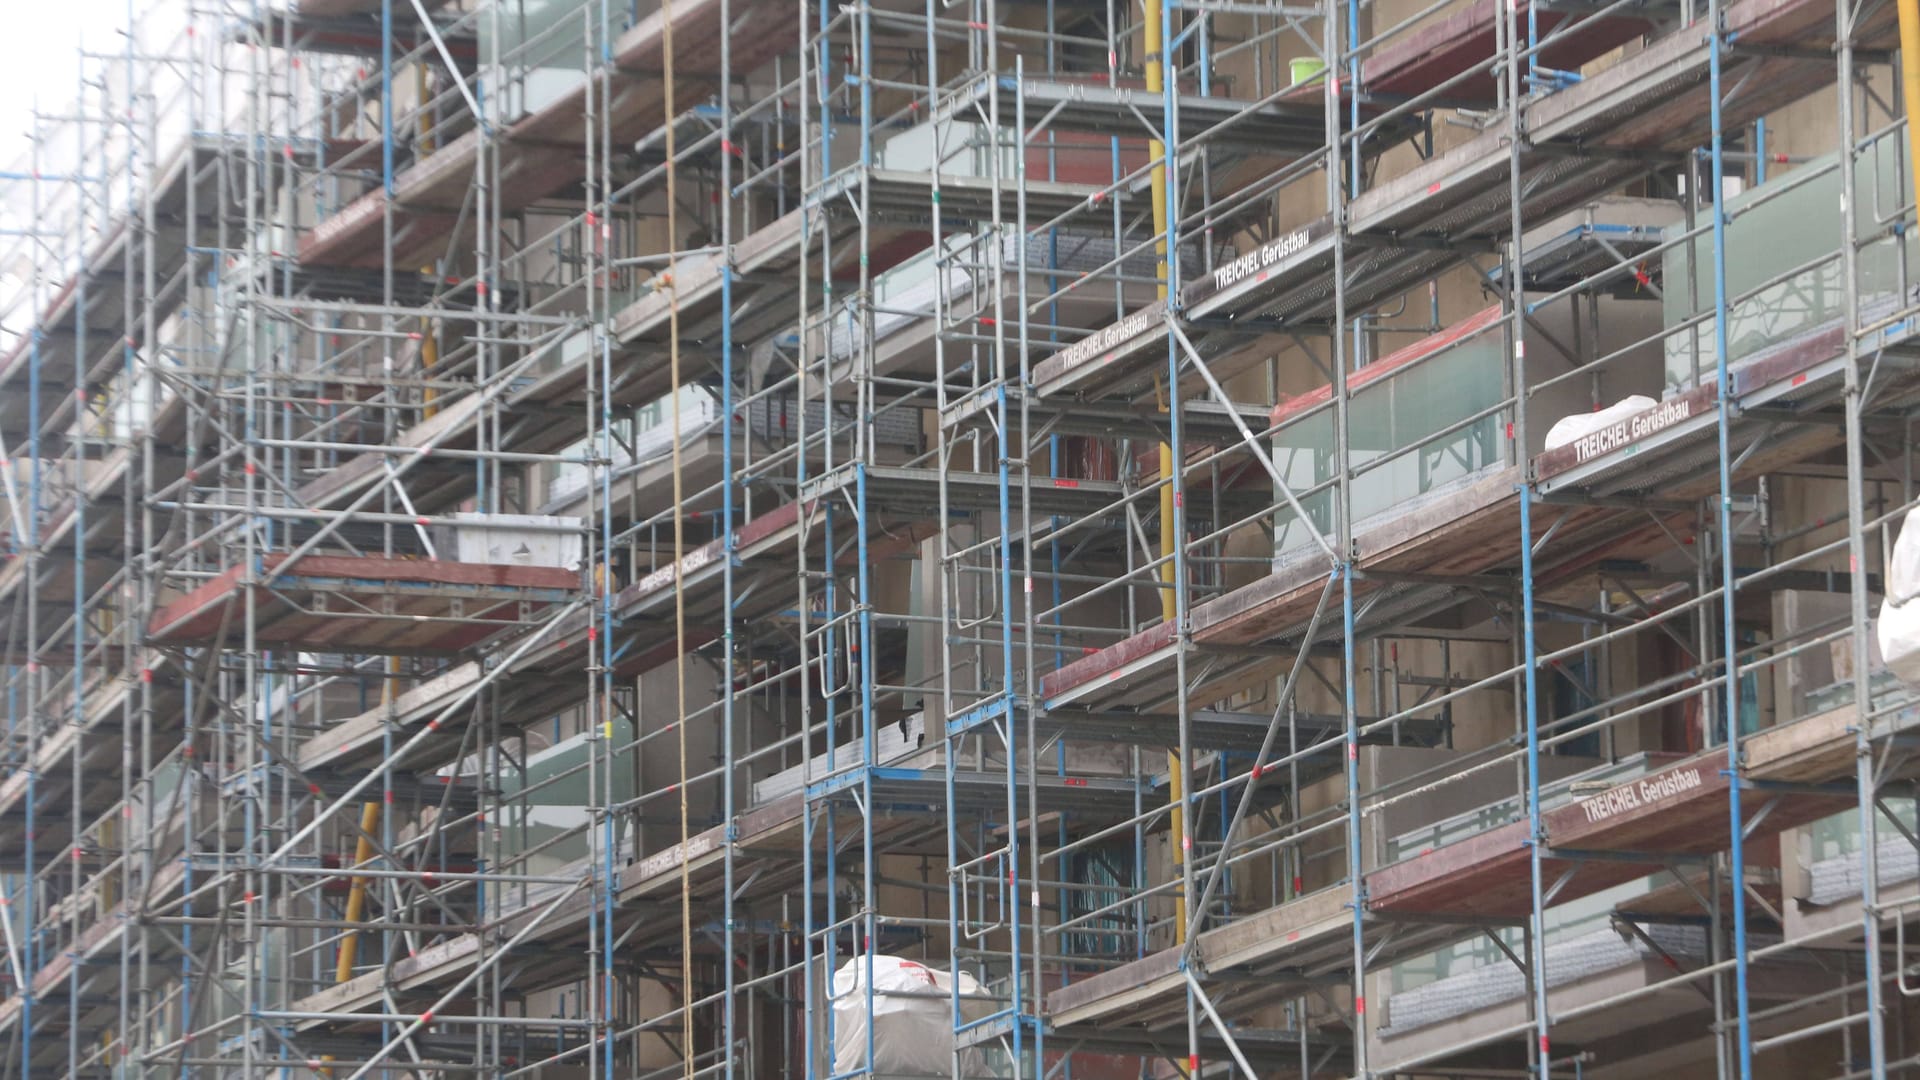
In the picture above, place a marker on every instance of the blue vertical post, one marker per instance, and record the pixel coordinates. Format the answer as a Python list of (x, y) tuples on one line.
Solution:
[(1723, 401), (1353, 93), (1536, 834), (1533, 42), (863, 595), (386, 187), (610, 874), (79, 533), (729, 1036), (28, 918), (386, 98), (1343, 491), (1003, 484), (1356, 867)]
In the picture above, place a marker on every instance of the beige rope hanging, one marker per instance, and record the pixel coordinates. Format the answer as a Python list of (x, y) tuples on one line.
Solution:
[(679, 543)]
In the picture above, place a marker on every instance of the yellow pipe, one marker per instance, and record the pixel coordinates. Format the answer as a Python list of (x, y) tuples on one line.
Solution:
[(429, 341), (1909, 84), (429, 359), (357, 896), (362, 855), (1156, 151)]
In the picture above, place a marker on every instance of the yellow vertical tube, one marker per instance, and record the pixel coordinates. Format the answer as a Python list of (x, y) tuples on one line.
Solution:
[(1910, 84), (1157, 151), (362, 855), (429, 341), (357, 896)]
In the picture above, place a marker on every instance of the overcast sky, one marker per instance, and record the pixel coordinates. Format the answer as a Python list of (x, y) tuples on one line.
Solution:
[(40, 62), (41, 54)]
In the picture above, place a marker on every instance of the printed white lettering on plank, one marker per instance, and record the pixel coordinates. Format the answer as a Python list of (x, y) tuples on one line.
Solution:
[(1109, 337), (1632, 429), (1259, 259), (694, 560), (1638, 793)]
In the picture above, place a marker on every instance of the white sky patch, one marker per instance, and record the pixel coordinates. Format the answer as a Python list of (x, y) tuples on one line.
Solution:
[(43, 60), (41, 68)]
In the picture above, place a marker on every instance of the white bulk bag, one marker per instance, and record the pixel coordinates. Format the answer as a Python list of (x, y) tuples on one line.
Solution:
[(1899, 624), (912, 1017), (1572, 428)]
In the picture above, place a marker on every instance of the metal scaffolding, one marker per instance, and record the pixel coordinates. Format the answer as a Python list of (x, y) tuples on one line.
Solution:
[(551, 538)]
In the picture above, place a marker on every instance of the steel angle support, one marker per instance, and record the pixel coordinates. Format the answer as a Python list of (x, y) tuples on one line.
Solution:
[(1643, 604), (1028, 137), (1386, 938), (751, 587), (1679, 545), (1868, 389), (1767, 810), (1540, 544), (1153, 132), (1627, 928), (1506, 950), (1753, 894), (1065, 1058), (1760, 440), (1552, 891), (1207, 668), (1899, 826), (982, 715), (1706, 905)]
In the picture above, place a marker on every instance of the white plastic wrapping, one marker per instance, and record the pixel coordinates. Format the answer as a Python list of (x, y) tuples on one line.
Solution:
[(912, 1018), (1899, 624), (1570, 428)]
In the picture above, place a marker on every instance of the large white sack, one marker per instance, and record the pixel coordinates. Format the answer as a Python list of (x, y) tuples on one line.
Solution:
[(912, 1017), (1571, 428), (1899, 624)]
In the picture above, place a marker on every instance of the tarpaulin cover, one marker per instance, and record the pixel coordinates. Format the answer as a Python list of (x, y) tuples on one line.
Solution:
[(913, 1028)]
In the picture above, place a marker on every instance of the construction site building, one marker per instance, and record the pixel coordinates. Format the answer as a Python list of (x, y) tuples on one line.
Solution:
[(1036, 539)]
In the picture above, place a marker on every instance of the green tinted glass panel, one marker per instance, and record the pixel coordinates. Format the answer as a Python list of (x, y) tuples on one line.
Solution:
[(546, 810), (1775, 235), (1403, 436)]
